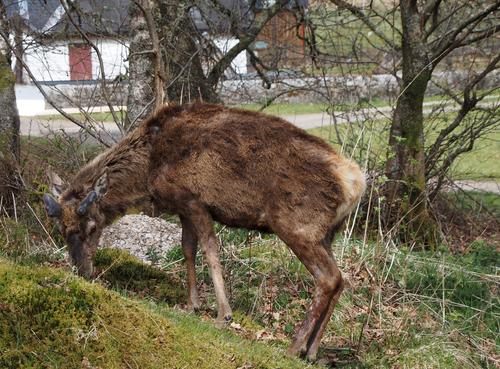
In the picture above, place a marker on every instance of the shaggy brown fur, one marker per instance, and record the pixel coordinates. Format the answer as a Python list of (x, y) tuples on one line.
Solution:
[(244, 169)]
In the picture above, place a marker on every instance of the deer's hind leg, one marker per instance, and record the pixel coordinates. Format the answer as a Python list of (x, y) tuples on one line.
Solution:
[(320, 262)]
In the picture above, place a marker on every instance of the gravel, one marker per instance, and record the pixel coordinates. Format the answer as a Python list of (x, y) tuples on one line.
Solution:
[(145, 237)]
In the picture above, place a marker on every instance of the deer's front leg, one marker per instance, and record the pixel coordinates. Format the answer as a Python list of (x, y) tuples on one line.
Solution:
[(203, 225), (189, 249)]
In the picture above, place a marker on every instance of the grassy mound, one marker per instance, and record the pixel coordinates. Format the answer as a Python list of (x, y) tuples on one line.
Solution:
[(50, 318), (124, 272)]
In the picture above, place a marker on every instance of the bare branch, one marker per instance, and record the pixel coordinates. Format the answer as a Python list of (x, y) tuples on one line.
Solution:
[(256, 63), (244, 41), (450, 38), (360, 14), (99, 57), (468, 104)]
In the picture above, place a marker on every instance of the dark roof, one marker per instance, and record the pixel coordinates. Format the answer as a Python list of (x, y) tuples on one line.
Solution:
[(110, 17), (103, 17), (209, 17), (36, 13)]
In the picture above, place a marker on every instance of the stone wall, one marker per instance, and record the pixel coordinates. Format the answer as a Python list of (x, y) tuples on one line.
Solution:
[(337, 89), (85, 94)]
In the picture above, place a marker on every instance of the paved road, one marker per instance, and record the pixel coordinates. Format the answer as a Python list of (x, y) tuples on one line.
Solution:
[(37, 127)]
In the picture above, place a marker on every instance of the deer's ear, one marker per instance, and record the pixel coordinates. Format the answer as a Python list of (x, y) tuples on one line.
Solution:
[(56, 184), (52, 207)]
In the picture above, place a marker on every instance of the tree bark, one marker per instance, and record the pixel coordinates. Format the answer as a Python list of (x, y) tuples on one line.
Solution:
[(170, 40), (406, 188), (9, 124), (141, 93), (185, 78)]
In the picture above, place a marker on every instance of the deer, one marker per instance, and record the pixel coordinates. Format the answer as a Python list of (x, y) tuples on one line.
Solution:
[(207, 163)]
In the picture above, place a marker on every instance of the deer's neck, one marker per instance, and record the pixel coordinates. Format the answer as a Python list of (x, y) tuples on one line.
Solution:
[(126, 165)]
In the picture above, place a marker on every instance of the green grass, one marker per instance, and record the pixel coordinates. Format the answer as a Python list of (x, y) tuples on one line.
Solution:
[(99, 117), (277, 108), (399, 309), (286, 109), (372, 137), (473, 202), (50, 318)]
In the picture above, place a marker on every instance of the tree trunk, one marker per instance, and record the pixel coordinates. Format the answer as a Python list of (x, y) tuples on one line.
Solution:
[(406, 188), (185, 78), (141, 94), (9, 124), (182, 76)]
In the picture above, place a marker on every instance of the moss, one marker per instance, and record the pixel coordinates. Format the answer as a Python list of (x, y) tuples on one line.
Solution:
[(7, 78), (126, 272), (52, 319)]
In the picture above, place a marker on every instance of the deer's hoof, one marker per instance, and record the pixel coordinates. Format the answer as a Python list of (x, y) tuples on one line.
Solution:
[(223, 322)]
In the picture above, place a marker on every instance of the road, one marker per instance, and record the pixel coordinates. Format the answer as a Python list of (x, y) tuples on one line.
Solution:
[(37, 127)]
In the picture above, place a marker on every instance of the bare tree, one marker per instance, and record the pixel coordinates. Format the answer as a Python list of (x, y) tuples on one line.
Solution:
[(420, 35), (167, 51)]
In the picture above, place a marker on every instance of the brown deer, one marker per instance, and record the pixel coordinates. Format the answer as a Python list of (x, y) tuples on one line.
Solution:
[(210, 163)]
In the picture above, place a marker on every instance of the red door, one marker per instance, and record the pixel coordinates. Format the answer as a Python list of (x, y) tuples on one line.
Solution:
[(80, 62)]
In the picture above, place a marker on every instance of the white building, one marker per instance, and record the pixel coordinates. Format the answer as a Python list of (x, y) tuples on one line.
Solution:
[(55, 52)]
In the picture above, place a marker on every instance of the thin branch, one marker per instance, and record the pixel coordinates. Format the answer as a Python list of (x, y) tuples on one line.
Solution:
[(482, 35), (450, 37), (244, 41), (468, 104), (257, 63), (360, 14)]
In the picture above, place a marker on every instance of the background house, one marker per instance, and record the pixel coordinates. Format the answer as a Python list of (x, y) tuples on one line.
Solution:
[(56, 53), (54, 49)]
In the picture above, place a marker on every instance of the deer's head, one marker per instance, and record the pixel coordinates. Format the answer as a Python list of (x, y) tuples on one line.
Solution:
[(79, 219)]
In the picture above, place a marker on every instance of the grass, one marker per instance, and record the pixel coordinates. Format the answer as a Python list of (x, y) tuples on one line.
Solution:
[(370, 138), (400, 309), (50, 318), (286, 109), (278, 108)]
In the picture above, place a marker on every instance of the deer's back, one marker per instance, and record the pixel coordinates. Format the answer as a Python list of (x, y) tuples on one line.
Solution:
[(246, 166)]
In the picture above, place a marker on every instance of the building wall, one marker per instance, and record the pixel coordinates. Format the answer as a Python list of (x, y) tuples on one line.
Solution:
[(278, 44), (47, 62), (114, 54), (50, 62)]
